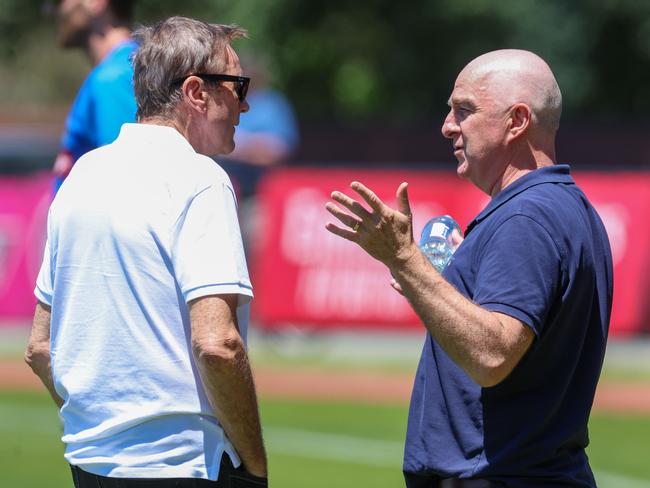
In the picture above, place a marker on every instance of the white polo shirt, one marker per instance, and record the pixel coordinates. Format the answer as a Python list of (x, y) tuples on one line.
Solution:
[(139, 228)]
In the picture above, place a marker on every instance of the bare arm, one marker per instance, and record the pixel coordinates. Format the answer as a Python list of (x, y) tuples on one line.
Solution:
[(487, 345), (37, 355), (222, 361)]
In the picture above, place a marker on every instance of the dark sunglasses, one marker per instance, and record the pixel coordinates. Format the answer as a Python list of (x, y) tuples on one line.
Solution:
[(241, 82)]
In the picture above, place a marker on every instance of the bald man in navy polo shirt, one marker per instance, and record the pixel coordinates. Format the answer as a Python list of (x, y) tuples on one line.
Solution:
[(517, 323)]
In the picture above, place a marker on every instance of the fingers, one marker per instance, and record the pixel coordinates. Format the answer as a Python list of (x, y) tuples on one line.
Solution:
[(380, 210), (345, 218), (402, 196), (403, 205), (351, 204), (350, 235), (368, 195), (456, 238)]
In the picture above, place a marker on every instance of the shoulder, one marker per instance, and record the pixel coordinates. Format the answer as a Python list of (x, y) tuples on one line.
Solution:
[(559, 212), (95, 157), (526, 214), (208, 173), (552, 205), (209, 168)]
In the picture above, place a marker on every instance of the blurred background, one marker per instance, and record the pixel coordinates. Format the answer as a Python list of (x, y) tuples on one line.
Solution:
[(347, 90)]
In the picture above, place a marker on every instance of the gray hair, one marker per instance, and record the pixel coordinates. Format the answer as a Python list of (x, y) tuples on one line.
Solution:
[(172, 49)]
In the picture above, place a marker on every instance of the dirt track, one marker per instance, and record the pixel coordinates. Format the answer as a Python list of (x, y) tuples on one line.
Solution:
[(357, 386)]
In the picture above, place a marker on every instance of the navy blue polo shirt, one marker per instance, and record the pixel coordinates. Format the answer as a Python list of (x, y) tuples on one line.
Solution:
[(538, 252)]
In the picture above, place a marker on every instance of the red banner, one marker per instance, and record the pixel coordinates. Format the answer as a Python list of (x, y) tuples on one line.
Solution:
[(623, 202), (305, 276), (24, 202)]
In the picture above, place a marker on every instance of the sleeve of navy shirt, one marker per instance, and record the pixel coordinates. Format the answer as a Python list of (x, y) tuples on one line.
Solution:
[(519, 272)]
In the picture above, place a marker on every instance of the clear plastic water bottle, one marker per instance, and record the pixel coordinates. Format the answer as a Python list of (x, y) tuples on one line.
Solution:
[(438, 241)]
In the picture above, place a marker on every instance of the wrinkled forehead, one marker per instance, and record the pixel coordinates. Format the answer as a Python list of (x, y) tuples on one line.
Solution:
[(474, 88)]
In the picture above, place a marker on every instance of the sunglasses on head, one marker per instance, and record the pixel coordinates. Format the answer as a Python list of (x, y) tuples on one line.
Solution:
[(241, 82)]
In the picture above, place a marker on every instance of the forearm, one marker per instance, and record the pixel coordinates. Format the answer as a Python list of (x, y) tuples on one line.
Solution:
[(40, 364), (474, 338), (37, 355), (487, 345), (228, 380)]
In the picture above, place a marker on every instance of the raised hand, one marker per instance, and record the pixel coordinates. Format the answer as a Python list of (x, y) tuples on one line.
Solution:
[(383, 232)]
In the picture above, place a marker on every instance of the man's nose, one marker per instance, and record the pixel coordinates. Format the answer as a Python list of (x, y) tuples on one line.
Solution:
[(449, 126), (244, 106)]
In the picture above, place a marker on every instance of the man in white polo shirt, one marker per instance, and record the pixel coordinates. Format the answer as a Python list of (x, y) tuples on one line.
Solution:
[(139, 332)]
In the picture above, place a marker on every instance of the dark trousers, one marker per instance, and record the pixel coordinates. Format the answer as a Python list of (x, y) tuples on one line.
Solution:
[(229, 477), (432, 481)]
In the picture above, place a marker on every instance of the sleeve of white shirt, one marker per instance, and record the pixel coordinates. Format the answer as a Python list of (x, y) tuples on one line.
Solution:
[(208, 254), (45, 280)]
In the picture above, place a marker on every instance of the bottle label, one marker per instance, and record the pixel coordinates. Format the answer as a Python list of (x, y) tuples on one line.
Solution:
[(439, 229)]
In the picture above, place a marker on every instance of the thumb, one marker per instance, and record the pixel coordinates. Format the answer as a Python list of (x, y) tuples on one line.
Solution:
[(403, 204)]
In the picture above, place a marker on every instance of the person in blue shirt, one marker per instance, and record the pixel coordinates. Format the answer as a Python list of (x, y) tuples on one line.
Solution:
[(105, 100), (517, 322)]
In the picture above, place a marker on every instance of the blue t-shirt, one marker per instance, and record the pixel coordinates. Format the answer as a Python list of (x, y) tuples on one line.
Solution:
[(538, 252), (105, 101)]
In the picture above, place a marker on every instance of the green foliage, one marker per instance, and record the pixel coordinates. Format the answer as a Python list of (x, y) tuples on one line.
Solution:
[(383, 60), (17, 18)]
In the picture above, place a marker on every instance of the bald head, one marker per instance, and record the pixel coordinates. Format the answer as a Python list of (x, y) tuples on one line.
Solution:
[(512, 76)]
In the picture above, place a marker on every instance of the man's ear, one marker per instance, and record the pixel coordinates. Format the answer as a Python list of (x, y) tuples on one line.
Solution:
[(194, 94), (520, 118)]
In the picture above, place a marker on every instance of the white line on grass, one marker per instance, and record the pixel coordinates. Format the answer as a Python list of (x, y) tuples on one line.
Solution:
[(336, 447), (606, 479), (282, 440), (374, 452)]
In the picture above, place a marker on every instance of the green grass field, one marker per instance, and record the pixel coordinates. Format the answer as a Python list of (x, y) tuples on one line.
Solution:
[(316, 445)]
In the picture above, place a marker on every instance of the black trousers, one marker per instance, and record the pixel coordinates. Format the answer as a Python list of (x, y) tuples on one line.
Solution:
[(432, 481), (229, 477)]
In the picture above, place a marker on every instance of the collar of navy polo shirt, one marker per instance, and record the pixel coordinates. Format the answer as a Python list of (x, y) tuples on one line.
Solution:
[(557, 173)]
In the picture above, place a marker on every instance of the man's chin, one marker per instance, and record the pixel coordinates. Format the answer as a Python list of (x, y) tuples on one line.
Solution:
[(223, 151), (462, 168), (230, 148)]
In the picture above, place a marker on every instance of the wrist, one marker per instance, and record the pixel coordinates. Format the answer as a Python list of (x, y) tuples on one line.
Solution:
[(404, 259)]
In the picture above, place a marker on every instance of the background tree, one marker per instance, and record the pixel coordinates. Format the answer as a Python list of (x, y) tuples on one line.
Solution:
[(377, 61)]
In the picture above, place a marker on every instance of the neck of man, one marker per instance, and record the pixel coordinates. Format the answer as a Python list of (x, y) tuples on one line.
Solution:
[(184, 125), (101, 42), (167, 122), (523, 161)]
